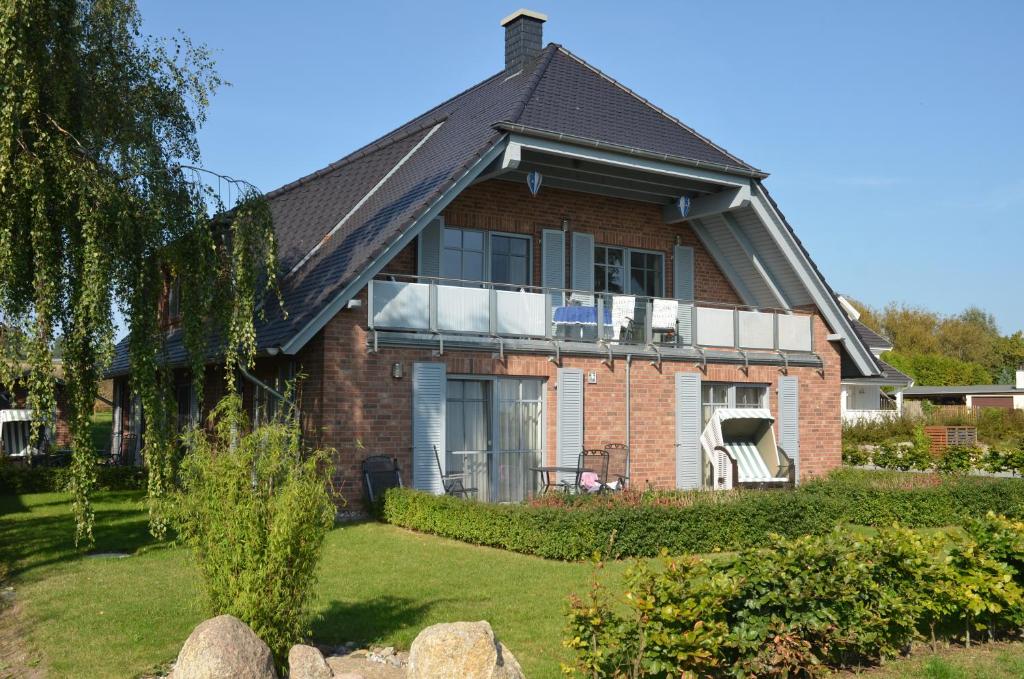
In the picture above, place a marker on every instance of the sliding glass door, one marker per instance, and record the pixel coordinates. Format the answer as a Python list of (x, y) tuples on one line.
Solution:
[(497, 465)]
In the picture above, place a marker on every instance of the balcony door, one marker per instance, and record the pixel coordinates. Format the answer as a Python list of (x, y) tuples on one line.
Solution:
[(495, 434)]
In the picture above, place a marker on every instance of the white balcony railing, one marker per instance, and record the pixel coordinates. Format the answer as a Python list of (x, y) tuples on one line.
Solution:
[(436, 306)]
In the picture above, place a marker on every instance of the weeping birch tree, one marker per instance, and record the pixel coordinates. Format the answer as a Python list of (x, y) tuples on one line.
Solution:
[(103, 201)]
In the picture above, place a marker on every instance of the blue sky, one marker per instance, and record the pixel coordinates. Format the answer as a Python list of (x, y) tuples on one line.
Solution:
[(892, 130)]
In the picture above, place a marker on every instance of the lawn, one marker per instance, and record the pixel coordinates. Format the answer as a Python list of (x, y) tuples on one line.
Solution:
[(104, 616), (984, 661)]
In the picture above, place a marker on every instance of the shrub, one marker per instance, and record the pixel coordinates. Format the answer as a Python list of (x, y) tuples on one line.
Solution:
[(574, 527), (959, 459), (255, 508), (855, 455), (799, 608)]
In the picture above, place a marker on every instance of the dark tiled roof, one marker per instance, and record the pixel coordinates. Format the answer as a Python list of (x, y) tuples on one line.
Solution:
[(869, 337), (332, 223), (891, 374)]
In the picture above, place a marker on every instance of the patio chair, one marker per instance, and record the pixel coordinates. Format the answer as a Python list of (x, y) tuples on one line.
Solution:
[(740, 450), (380, 472), (591, 472), (453, 483), (618, 474)]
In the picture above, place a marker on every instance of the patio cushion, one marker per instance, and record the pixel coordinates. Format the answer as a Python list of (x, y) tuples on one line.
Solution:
[(750, 467)]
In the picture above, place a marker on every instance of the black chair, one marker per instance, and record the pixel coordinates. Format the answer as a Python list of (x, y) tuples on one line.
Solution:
[(380, 472), (453, 483), (594, 461), (618, 454)]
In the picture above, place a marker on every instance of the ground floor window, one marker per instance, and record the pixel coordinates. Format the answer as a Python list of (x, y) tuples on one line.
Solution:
[(715, 395), (495, 434)]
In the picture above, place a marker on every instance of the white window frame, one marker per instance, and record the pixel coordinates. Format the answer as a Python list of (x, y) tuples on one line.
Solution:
[(731, 394)]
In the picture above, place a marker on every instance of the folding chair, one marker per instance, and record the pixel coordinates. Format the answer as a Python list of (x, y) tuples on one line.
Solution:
[(453, 482)]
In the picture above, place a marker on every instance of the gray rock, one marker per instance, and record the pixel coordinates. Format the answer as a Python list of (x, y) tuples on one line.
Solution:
[(461, 650), (224, 648), (306, 662)]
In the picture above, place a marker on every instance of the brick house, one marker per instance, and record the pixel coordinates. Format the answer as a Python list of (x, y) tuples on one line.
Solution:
[(543, 263)]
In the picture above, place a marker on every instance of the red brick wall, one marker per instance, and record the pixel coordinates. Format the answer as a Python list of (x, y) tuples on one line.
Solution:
[(366, 411), (505, 206)]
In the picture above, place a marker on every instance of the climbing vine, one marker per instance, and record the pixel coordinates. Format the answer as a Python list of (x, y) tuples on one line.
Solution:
[(103, 203)]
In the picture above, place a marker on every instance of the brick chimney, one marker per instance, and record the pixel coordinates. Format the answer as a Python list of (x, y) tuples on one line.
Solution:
[(524, 38)]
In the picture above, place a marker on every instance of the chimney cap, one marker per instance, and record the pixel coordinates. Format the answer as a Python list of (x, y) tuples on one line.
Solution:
[(528, 13)]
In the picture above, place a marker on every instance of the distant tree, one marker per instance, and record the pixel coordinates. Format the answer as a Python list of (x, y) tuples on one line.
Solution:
[(970, 336), (101, 202), (911, 329), (936, 370)]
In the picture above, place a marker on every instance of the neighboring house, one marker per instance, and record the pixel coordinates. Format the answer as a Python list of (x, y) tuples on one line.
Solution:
[(874, 398), (1005, 396), (15, 417), (543, 263)]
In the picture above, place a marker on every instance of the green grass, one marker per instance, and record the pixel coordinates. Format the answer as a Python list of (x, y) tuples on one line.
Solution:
[(984, 661), (117, 617), (102, 427)]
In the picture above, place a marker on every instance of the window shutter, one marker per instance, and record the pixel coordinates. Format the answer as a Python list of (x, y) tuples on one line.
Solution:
[(115, 440), (583, 266), (569, 419), (429, 391), (553, 263), (429, 255), (683, 289), (688, 455), (789, 420)]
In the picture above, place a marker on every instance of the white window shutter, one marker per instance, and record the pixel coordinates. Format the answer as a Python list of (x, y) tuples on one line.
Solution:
[(429, 254), (569, 419), (552, 263), (583, 265), (429, 393), (789, 420), (683, 289), (688, 453)]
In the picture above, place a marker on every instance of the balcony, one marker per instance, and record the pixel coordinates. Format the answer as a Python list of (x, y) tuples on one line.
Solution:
[(415, 309)]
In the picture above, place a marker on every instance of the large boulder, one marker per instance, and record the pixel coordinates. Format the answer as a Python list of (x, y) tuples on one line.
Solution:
[(461, 650), (307, 662), (224, 648)]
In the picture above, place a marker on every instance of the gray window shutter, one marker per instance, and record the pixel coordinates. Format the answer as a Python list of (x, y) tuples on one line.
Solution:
[(118, 422), (569, 419), (552, 263), (429, 392), (683, 289), (789, 420), (583, 265), (429, 255), (688, 454)]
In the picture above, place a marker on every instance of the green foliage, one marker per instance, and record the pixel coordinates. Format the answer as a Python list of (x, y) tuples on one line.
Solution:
[(801, 607), (255, 509), (573, 528), (98, 203), (959, 459), (937, 369), (874, 432), (17, 478)]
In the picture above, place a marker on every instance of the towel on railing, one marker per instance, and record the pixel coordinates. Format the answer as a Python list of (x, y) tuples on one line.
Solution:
[(623, 309), (665, 314)]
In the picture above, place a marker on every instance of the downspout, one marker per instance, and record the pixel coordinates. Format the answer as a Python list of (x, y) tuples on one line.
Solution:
[(629, 444), (284, 399)]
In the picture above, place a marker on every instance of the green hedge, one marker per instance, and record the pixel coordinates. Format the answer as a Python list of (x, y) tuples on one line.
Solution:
[(574, 528), (16, 479), (804, 606)]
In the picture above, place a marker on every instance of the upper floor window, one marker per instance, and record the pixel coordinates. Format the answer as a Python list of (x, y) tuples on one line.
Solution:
[(471, 255), (463, 255), (614, 266)]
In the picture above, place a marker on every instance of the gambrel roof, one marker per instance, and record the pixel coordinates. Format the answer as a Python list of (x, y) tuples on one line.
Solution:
[(334, 223)]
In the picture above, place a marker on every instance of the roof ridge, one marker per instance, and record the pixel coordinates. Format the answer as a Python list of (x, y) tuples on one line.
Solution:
[(390, 139), (544, 60), (657, 109), (400, 133)]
